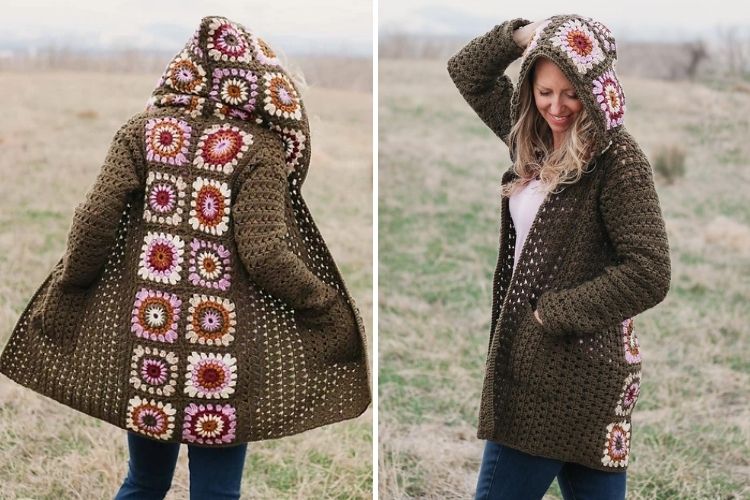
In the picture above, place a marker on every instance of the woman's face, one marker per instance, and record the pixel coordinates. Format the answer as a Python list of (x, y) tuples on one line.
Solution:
[(555, 97)]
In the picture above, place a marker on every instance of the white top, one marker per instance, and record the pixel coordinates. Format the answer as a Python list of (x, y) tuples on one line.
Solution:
[(524, 205)]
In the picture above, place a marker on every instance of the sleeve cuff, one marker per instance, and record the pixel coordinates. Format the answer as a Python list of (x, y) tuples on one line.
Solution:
[(547, 312), (507, 28)]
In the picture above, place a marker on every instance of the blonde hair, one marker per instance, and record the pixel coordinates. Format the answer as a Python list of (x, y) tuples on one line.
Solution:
[(532, 139), (294, 71)]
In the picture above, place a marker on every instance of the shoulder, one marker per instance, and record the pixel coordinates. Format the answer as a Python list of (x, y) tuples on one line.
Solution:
[(266, 153), (135, 130), (267, 145), (623, 147), (626, 171), (625, 157), (131, 135), (264, 137), (136, 123)]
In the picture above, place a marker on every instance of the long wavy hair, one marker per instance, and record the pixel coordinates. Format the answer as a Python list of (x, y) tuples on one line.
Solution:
[(534, 147)]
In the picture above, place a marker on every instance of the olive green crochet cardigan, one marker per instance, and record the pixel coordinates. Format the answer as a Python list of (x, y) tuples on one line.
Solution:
[(196, 301), (596, 256)]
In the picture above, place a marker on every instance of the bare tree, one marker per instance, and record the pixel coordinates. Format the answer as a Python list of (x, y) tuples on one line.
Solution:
[(735, 47), (697, 52)]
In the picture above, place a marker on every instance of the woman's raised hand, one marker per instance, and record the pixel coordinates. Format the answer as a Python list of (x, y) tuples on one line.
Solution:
[(522, 36)]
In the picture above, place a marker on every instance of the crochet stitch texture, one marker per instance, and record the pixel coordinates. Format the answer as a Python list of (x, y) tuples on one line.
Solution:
[(596, 256), (196, 301)]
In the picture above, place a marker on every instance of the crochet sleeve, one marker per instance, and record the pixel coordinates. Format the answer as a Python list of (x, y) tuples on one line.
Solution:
[(261, 211), (641, 278), (94, 228), (478, 71)]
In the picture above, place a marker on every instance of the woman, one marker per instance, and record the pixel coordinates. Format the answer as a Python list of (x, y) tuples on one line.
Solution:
[(196, 301), (583, 249)]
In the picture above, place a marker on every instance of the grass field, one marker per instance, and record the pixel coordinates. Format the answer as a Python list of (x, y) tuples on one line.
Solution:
[(439, 172), (55, 129)]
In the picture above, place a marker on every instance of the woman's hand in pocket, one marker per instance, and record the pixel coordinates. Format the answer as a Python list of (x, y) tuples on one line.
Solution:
[(333, 330), (536, 315)]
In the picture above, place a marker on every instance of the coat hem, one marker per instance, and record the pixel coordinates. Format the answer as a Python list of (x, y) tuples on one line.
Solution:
[(349, 415), (547, 453)]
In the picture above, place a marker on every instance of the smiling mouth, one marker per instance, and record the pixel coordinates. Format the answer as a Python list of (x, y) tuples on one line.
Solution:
[(559, 118)]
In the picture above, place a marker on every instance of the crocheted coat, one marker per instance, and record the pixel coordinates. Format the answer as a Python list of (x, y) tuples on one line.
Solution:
[(597, 255), (196, 301)]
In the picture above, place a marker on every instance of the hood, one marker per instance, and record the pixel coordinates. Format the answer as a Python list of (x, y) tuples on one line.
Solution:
[(585, 51), (227, 71)]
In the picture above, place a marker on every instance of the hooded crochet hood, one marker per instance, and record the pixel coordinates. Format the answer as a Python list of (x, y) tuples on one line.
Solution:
[(226, 70), (585, 51)]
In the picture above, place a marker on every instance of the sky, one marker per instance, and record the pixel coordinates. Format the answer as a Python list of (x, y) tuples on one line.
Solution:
[(336, 26), (289, 26), (637, 20)]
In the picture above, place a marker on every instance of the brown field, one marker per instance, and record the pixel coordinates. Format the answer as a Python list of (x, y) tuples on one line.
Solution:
[(439, 173), (55, 130)]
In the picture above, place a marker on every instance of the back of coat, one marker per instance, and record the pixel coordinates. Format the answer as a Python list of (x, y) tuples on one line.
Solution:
[(196, 300)]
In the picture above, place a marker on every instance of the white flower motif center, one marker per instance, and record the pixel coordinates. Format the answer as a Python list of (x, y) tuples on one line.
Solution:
[(234, 91), (156, 316)]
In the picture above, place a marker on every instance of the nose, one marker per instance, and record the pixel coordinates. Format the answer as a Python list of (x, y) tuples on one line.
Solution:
[(557, 106)]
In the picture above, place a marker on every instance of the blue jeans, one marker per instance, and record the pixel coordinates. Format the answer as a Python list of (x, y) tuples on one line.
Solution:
[(215, 473), (510, 474)]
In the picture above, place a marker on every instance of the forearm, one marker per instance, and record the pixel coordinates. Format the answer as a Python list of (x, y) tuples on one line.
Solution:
[(620, 292), (282, 274), (478, 73), (94, 227), (478, 64), (260, 234), (640, 276)]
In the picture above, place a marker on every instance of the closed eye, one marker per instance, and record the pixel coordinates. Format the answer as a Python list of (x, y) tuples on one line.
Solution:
[(548, 93)]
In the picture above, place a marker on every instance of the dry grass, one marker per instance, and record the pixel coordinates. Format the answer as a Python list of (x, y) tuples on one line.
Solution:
[(439, 173), (55, 129), (341, 72)]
